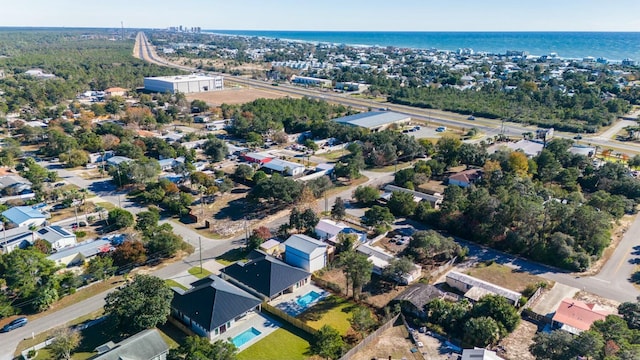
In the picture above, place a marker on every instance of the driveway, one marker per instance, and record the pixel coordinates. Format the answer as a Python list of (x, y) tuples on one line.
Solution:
[(550, 300)]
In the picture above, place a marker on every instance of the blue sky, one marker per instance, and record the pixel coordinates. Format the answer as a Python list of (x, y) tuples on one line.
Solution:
[(356, 15)]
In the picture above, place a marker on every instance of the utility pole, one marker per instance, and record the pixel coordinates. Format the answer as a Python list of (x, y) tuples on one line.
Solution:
[(200, 250), (120, 185)]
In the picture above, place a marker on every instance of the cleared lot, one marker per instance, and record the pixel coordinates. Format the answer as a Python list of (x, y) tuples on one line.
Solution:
[(234, 96)]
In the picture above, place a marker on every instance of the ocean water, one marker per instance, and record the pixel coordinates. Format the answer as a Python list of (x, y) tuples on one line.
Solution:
[(614, 46)]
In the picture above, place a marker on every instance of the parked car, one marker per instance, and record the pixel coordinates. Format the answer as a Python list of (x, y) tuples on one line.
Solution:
[(17, 323)]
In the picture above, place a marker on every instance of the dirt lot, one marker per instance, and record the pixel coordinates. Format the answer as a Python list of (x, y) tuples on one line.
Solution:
[(589, 298), (378, 292), (517, 343), (504, 276), (234, 96), (394, 343)]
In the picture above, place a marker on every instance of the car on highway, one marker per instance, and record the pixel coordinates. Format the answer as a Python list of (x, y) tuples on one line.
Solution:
[(441, 129), (471, 117), (17, 323), (578, 137)]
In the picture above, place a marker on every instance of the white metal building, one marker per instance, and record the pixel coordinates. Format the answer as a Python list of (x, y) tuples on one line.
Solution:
[(184, 84)]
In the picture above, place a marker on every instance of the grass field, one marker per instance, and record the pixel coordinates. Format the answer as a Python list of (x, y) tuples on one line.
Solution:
[(273, 346), (333, 311), (199, 273)]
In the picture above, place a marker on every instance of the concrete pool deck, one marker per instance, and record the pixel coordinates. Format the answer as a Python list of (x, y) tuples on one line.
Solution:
[(288, 304), (259, 321)]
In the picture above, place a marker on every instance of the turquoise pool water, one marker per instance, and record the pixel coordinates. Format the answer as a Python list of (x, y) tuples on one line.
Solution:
[(307, 299), (245, 337)]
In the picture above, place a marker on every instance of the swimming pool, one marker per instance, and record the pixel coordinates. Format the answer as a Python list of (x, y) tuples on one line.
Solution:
[(245, 337), (305, 300)]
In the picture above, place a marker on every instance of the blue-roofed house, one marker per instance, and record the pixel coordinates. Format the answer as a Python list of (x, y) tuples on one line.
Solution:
[(117, 160), (374, 120), (57, 236), (305, 252), (168, 164), (25, 216), (212, 306), (145, 345)]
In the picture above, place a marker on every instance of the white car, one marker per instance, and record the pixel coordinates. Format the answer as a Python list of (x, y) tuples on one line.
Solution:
[(420, 344)]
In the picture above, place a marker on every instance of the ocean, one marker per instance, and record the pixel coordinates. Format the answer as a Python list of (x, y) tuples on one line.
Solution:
[(613, 46)]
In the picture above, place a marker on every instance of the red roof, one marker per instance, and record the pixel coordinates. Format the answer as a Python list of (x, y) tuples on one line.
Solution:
[(467, 176), (578, 314)]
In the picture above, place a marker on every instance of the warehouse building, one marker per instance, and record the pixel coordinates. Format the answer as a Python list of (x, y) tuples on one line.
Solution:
[(184, 84), (374, 120)]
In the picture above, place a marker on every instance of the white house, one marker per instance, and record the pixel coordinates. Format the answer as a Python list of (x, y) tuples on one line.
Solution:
[(168, 164), (305, 252), (328, 230), (285, 167), (479, 354), (380, 260), (56, 236), (76, 255), (25, 216), (474, 288)]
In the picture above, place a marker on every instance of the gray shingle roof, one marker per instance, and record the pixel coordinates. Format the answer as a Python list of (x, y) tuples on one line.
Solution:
[(419, 294), (144, 345), (265, 274), (213, 301), (499, 290)]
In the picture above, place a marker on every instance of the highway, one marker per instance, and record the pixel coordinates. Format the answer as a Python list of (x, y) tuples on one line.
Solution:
[(487, 126)]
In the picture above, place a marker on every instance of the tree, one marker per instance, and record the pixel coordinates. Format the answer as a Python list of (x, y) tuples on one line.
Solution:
[(366, 195), (500, 310), (361, 320), (142, 304), (129, 253), (448, 150), (26, 271), (277, 190), (378, 216), (338, 211), (328, 343), (630, 312), (147, 221), (401, 204), (397, 268), (201, 348), (64, 342), (75, 158), (243, 172), (162, 242), (100, 267), (357, 269), (258, 236), (304, 221), (518, 163), (120, 218), (216, 149), (481, 331), (555, 345)]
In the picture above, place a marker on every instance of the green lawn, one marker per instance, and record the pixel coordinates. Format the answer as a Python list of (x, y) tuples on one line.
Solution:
[(172, 283), (333, 311), (199, 273), (232, 256), (273, 346)]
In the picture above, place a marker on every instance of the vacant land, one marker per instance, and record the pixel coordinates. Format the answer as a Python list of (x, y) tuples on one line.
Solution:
[(378, 292), (518, 342), (504, 276), (234, 96), (393, 342)]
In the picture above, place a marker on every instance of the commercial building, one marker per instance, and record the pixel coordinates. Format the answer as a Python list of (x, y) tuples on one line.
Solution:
[(311, 81), (184, 84), (374, 120), (284, 167)]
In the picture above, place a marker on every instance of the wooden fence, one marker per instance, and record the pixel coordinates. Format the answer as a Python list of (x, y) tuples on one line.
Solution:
[(366, 341), (288, 319), (532, 299)]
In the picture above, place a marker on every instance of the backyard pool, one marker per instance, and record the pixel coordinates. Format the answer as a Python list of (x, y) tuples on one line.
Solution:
[(307, 299), (245, 337)]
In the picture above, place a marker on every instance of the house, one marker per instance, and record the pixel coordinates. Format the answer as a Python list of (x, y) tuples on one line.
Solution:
[(305, 252), (265, 276), (434, 199), (474, 288), (117, 160), (328, 230), (466, 178), (115, 91), (479, 354), (100, 157), (25, 216), (575, 316), (201, 119), (255, 158), (272, 247), (145, 345), (284, 167), (12, 239), (212, 306), (168, 164), (14, 185), (56, 236), (381, 260), (77, 255), (413, 299)]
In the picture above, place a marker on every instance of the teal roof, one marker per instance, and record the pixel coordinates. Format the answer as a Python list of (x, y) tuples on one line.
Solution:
[(372, 119), (20, 214)]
